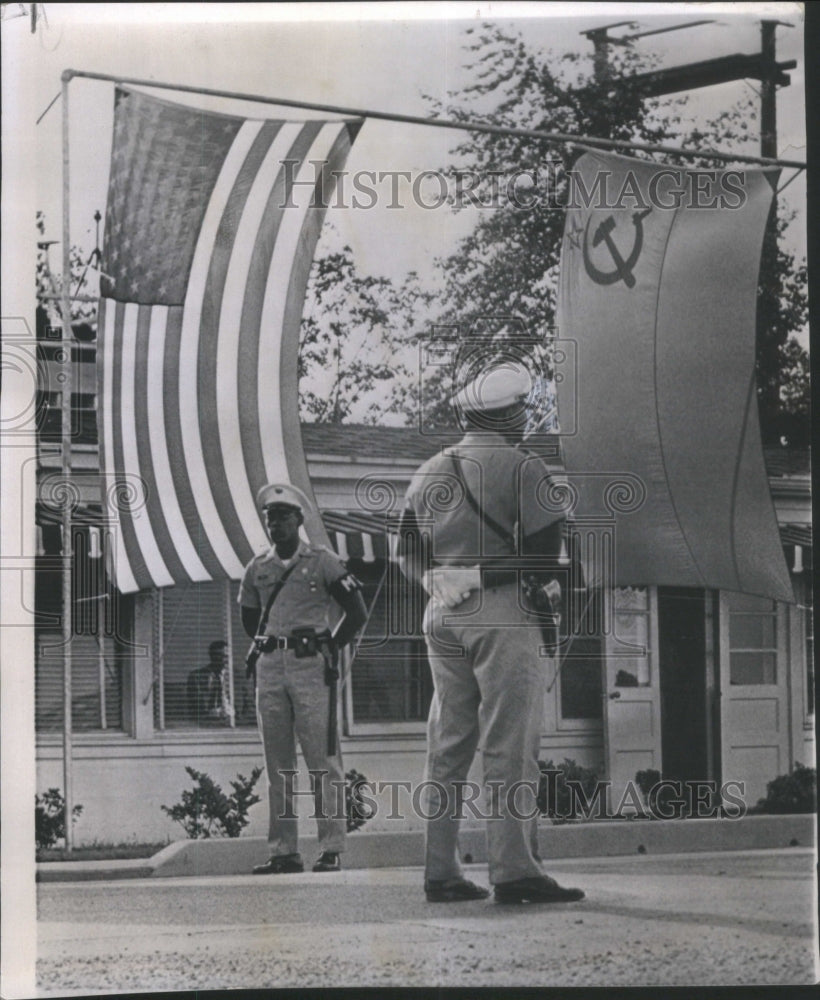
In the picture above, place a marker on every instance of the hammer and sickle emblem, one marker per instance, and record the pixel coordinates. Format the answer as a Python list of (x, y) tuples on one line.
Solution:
[(622, 270)]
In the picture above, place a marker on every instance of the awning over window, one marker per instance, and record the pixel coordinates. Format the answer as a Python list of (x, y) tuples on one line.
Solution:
[(797, 545), (356, 535)]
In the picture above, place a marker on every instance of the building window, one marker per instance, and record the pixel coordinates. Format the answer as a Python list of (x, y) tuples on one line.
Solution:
[(581, 680), (631, 629), (752, 639), (83, 396), (101, 626), (390, 677), (201, 684), (581, 662)]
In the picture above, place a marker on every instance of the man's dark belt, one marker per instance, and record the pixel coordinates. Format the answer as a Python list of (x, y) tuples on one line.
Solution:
[(499, 577), (273, 642), (506, 575)]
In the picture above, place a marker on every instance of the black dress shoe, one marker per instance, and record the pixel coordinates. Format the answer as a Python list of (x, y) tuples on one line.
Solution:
[(536, 889), (328, 862), (453, 890), (280, 864)]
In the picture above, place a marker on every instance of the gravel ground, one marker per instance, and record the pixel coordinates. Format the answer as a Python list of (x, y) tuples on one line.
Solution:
[(728, 919)]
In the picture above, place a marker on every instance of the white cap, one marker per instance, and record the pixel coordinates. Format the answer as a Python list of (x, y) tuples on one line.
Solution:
[(282, 493), (502, 384)]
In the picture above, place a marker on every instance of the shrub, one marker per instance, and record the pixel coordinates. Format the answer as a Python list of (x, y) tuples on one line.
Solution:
[(791, 793), (206, 811), (358, 811), (666, 803), (49, 818), (555, 798), (646, 781)]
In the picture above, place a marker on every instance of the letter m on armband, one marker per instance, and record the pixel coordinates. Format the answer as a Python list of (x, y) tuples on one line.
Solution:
[(347, 584)]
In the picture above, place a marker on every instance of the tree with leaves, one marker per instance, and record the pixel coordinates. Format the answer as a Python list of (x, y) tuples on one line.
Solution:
[(50, 283), (356, 352), (505, 272)]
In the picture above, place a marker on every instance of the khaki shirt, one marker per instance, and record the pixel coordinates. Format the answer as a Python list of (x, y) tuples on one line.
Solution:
[(304, 601), (508, 483)]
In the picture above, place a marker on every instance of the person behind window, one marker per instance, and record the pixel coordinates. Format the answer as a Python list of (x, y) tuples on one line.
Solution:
[(208, 691)]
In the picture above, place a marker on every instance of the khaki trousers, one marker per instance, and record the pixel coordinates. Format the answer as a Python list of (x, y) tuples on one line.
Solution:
[(291, 703), (489, 690)]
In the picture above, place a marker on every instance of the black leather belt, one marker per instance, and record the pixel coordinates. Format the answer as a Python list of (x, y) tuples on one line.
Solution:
[(273, 642), (499, 577), (490, 575)]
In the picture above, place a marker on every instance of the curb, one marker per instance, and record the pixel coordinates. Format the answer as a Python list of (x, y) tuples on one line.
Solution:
[(604, 838), (90, 871)]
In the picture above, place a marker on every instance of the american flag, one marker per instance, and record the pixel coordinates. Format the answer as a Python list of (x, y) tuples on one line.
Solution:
[(211, 226)]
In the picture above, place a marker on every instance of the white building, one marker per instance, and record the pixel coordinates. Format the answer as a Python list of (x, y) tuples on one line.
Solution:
[(723, 692)]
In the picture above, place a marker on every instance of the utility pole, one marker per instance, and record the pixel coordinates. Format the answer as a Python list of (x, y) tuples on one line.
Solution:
[(768, 342), (768, 89), (601, 40), (762, 66)]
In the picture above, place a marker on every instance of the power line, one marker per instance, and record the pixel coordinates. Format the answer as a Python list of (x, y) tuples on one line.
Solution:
[(50, 106)]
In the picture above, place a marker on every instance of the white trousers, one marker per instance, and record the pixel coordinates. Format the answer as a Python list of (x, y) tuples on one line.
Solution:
[(489, 690), (291, 703)]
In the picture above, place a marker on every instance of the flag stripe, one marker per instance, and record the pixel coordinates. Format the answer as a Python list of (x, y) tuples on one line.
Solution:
[(255, 339), (270, 370), (239, 287), (127, 489), (166, 517), (139, 473), (210, 338), (150, 323), (105, 370), (176, 453), (112, 481), (287, 278), (333, 146), (210, 521)]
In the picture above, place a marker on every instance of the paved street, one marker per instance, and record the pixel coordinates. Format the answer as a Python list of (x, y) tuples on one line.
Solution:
[(706, 919)]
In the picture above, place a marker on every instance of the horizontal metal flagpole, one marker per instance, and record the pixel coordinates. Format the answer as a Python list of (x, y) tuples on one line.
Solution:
[(465, 126)]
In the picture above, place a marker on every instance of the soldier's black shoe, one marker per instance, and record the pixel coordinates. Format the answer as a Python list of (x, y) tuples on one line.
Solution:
[(453, 890), (280, 864), (328, 862), (536, 889)]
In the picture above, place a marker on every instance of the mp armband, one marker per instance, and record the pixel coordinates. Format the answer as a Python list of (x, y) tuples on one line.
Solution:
[(345, 586)]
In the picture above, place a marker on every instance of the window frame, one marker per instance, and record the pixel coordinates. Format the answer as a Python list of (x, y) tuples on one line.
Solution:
[(555, 720), (778, 650), (385, 727)]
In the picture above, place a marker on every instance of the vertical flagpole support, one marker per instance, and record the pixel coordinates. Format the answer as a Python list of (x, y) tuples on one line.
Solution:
[(227, 605), (67, 379)]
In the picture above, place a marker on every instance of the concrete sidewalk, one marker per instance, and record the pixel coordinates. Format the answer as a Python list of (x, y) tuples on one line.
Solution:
[(707, 919), (379, 850)]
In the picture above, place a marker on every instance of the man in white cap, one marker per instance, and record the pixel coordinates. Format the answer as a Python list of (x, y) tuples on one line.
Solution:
[(483, 642), (291, 596)]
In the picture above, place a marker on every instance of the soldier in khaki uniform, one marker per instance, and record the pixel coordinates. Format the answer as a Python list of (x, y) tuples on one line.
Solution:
[(291, 693), (483, 643)]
